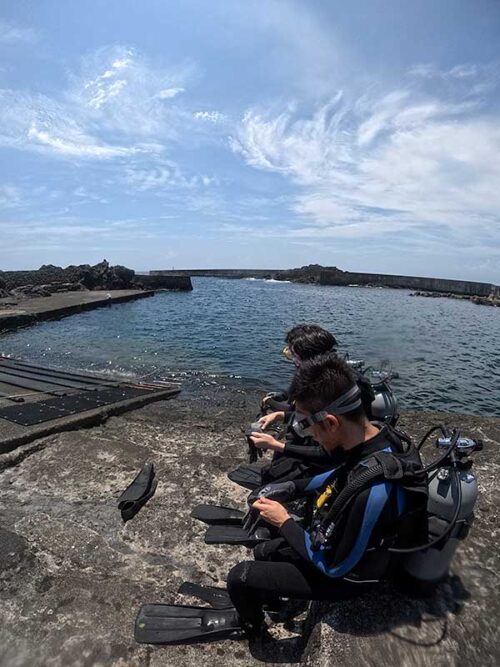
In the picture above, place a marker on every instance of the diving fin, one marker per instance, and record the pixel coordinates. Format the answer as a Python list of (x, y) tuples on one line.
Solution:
[(248, 475), (218, 598), (216, 515), (137, 494), (177, 624), (236, 535)]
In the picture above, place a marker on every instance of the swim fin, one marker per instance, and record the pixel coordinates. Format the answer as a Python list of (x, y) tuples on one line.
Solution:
[(177, 624), (137, 494), (248, 475), (216, 515), (236, 535), (218, 598)]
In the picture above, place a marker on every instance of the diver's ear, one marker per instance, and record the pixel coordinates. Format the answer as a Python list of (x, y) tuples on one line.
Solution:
[(332, 422)]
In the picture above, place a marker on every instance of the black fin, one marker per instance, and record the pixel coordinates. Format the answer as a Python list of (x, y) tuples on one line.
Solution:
[(218, 598), (249, 476), (216, 515), (236, 535), (138, 492), (176, 624)]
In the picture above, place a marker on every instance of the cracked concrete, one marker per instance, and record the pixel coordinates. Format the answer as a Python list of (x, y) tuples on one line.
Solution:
[(72, 575)]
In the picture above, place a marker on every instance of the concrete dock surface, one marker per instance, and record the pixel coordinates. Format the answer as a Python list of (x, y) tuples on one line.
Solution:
[(17, 313), (72, 575)]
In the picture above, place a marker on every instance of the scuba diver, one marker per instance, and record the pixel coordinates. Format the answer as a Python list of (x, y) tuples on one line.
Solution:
[(298, 454), (374, 500), (341, 555)]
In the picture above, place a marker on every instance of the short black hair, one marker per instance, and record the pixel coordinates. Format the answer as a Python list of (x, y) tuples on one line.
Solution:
[(320, 381), (309, 340)]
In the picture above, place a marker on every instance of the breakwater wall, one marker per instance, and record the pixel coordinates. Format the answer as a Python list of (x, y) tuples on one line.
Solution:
[(321, 275), (469, 288), (180, 283), (219, 273)]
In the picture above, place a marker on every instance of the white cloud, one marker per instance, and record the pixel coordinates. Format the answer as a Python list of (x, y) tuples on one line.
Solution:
[(164, 176), (212, 116), (78, 145), (402, 161), (168, 93), (112, 108), (12, 34), (462, 71)]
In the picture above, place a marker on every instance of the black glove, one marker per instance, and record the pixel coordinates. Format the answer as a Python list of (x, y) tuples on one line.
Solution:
[(282, 492)]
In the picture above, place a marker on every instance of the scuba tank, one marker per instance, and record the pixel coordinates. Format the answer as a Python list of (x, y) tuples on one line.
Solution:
[(452, 496), (384, 406), (379, 402)]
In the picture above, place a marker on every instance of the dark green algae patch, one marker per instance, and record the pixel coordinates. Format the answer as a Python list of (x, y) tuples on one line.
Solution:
[(72, 575)]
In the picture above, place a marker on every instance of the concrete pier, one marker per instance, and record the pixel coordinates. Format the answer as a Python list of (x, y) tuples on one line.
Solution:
[(30, 311)]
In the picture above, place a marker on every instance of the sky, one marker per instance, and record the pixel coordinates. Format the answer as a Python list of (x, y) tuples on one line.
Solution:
[(252, 134)]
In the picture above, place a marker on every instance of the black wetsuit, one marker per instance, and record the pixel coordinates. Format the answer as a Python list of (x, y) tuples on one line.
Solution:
[(303, 456), (289, 566)]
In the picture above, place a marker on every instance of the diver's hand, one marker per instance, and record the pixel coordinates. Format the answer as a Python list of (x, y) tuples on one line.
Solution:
[(271, 511), (266, 441), (269, 419)]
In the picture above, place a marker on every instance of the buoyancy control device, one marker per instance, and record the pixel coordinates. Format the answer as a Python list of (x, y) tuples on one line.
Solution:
[(451, 496)]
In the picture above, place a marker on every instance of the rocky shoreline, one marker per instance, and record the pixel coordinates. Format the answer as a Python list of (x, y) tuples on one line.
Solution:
[(491, 300), (49, 279), (72, 575)]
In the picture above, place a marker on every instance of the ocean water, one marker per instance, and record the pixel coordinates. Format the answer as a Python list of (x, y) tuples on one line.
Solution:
[(446, 352)]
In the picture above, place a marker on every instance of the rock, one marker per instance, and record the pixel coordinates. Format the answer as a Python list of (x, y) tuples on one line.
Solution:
[(30, 291), (77, 574), (101, 276)]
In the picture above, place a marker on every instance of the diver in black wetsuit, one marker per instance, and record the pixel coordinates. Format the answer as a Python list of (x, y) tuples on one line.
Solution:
[(340, 559), (299, 454)]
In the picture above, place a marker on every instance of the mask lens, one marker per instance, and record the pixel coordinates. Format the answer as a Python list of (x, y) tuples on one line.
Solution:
[(301, 425), (287, 353)]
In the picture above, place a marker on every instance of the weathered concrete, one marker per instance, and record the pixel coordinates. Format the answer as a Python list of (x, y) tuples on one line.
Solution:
[(219, 273), (72, 575), (336, 277), (181, 283), (29, 311), (13, 435), (322, 275)]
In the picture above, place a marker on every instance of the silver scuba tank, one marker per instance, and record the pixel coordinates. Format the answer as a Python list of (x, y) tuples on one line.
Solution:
[(430, 565), (384, 407)]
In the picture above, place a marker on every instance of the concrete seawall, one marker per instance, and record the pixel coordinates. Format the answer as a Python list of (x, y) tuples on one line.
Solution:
[(158, 281), (469, 288), (333, 276), (219, 273)]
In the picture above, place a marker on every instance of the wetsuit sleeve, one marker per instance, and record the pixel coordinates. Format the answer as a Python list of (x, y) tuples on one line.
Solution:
[(349, 541), (314, 454)]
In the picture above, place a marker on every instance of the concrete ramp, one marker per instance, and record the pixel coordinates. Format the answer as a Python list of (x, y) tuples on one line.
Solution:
[(36, 401)]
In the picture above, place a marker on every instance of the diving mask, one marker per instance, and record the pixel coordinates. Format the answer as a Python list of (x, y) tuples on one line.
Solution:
[(289, 355), (349, 401)]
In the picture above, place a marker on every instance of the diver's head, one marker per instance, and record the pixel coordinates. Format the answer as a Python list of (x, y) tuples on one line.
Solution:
[(328, 402), (306, 341)]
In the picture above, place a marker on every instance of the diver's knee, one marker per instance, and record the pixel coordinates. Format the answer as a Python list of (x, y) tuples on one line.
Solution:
[(238, 574)]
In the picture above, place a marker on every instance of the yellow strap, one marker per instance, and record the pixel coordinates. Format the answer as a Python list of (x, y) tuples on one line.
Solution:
[(324, 496)]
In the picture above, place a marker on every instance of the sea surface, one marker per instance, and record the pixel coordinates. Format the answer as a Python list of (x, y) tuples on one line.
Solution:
[(446, 352)]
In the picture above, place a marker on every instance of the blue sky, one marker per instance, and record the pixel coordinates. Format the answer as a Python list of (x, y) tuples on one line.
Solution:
[(190, 134)]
